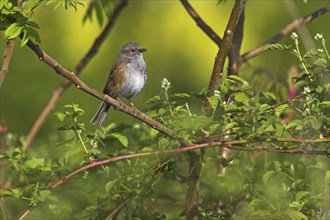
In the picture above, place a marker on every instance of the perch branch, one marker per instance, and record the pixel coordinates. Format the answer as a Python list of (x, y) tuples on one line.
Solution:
[(6, 59), (285, 31), (71, 76), (66, 84), (200, 23), (231, 144), (222, 54)]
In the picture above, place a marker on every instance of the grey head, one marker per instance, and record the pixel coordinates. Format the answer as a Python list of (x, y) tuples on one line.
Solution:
[(131, 51)]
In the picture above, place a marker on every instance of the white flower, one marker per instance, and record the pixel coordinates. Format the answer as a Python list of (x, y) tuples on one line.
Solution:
[(294, 35), (217, 93), (318, 36), (166, 84)]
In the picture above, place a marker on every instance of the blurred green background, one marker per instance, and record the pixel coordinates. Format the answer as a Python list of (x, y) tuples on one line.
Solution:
[(177, 50)]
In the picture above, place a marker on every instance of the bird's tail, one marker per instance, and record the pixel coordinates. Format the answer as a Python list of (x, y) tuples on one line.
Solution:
[(100, 114)]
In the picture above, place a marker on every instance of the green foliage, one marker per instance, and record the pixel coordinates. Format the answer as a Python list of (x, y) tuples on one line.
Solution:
[(15, 18)]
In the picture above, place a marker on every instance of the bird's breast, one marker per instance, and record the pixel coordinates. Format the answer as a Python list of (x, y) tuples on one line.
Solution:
[(135, 78)]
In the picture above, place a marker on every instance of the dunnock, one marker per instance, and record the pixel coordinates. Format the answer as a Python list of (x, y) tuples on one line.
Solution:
[(126, 79)]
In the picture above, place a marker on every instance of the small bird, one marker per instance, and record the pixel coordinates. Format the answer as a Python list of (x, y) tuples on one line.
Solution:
[(126, 79)]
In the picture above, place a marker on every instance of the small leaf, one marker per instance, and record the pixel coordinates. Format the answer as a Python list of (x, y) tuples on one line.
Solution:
[(155, 99), (43, 195), (34, 163), (60, 116), (293, 124), (280, 109), (179, 96), (269, 95), (295, 215), (242, 98), (276, 47), (147, 149), (266, 177), (214, 101), (121, 138), (5, 192), (13, 30), (316, 123), (110, 184)]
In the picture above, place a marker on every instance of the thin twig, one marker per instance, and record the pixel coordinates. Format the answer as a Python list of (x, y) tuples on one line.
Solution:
[(6, 59), (200, 23), (285, 31), (66, 84), (222, 54)]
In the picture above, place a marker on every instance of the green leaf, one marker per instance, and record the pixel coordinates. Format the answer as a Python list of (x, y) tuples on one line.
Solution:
[(293, 124), (13, 30), (276, 47), (147, 149), (155, 99), (34, 163), (266, 177), (5, 192), (163, 143), (30, 5), (110, 184), (269, 95), (43, 195), (60, 116), (242, 98), (316, 123), (121, 138), (280, 109), (230, 126), (294, 215), (214, 101), (179, 96)]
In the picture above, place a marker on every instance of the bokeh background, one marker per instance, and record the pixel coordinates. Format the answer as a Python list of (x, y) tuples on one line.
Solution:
[(177, 50)]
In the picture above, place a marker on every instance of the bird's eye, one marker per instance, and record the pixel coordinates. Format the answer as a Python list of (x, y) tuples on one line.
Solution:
[(133, 50)]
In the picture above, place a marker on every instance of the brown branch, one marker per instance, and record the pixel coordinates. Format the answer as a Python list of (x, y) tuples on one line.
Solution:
[(71, 76), (200, 23), (234, 52), (6, 59), (66, 84), (231, 144), (222, 54), (285, 31)]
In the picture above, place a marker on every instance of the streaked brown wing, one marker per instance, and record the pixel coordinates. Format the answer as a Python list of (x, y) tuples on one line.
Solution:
[(116, 79)]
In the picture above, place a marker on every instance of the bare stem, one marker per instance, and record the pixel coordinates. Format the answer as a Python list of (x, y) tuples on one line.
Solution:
[(6, 59)]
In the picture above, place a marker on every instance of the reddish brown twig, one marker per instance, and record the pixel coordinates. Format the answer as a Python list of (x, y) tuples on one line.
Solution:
[(200, 23), (285, 31), (6, 59), (83, 62)]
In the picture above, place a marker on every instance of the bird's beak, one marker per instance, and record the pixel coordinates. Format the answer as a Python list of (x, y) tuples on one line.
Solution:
[(142, 50)]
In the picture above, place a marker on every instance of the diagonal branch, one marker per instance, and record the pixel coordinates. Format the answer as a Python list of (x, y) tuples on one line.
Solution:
[(72, 77), (222, 54), (230, 144), (66, 84), (200, 23), (6, 59), (285, 31)]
